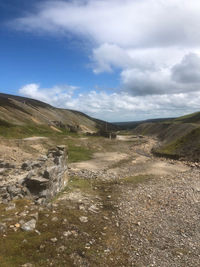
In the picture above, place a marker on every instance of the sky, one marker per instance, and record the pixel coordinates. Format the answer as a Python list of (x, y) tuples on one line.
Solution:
[(116, 60)]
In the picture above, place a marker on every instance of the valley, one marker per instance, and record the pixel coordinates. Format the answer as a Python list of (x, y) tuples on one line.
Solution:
[(76, 191), (100, 133)]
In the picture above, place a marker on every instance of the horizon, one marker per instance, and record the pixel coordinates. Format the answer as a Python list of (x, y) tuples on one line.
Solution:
[(117, 61), (91, 116)]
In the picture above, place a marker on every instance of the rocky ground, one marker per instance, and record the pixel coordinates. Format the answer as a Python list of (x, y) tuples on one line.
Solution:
[(124, 207)]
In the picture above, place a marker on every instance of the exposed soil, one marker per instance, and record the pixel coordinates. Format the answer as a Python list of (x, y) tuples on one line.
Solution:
[(136, 161), (124, 207), (100, 161)]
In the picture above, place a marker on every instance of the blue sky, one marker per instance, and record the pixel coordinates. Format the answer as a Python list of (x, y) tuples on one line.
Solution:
[(40, 58), (116, 60)]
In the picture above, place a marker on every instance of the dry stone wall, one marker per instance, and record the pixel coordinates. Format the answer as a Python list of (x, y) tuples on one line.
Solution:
[(42, 178)]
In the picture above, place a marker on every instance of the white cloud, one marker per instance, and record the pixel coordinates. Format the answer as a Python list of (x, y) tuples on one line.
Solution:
[(116, 106), (53, 96), (108, 56), (147, 39), (154, 43), (188, 70), (127, 23)]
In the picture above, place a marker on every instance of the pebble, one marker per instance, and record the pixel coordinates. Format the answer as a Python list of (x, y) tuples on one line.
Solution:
[(54, 240), (54, 219), (61, 249), (27, 265), (11, 207), (83, 219)]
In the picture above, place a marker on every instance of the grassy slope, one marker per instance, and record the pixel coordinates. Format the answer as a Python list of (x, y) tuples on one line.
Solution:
[(26, 116), (187, 146), (180, 137), (190, 118)]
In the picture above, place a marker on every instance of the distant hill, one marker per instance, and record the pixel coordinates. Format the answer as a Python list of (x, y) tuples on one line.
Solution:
[(129, 125), (180, 137), (190, 118), (25, 116)]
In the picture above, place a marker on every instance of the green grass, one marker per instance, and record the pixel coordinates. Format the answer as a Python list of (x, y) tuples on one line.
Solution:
[(9, 130), (135, 180), (186, 146), (13, 131), (79, 153), (190, 118), (15, 252)]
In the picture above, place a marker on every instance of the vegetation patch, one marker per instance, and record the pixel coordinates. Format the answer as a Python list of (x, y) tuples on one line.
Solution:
[(187, 146), (79, 153)]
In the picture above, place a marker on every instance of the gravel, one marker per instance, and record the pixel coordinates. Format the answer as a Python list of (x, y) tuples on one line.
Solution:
[(161, 221)]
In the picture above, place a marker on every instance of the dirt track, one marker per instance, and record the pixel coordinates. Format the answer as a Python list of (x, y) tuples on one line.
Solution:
[(134, 160), (157, 207)]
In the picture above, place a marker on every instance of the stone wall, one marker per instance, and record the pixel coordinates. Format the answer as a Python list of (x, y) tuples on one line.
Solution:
[(43, 178)]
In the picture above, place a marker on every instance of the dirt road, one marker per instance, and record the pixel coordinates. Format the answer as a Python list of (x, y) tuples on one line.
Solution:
[(155, 203)]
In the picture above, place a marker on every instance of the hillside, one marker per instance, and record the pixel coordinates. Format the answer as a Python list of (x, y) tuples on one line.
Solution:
[(180, 137), (129, 125), (24, 116)]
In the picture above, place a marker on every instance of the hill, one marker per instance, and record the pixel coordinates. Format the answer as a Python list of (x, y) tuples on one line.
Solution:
[(21, 116), (129, 125), (180, 137)]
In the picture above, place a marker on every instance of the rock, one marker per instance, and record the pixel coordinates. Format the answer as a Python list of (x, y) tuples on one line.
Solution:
[(27, 265), (42, 158), (61, 249), (54, 240), (29, 226), (17, 225), (11, 207), (2, 171), (40, 201), (54, 219), (21, 222), (42, 247), (3, 190), (94, 209), (81, 207), (23, 213), (14, 190), (3, 227), (61, 147), (35, 215), (36, 164), (41, 179), (49, 176), (37, 232), (7, 165), (27, 166), (83, 219), (67, 233)]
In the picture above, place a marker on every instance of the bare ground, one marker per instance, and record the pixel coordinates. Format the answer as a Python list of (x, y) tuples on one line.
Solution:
[(159, 217), (124, 207)]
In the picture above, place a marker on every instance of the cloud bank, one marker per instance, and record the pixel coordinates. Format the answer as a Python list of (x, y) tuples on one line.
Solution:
[(154, 44), (115, 106)]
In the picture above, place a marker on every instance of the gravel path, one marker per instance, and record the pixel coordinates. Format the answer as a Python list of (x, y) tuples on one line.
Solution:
[(161, 221), (160, 218)]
